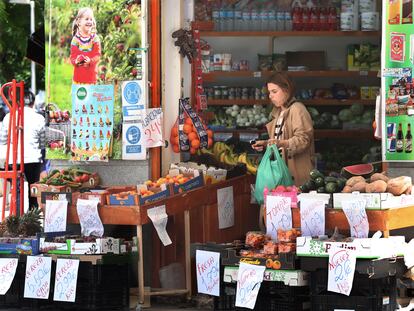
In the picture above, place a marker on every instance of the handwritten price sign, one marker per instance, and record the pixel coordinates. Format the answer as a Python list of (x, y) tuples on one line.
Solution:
[(152, 126), (37, 283), (208, 272), (56, 215), (341, 270), (312, 217), (225, 207), (278, 214), (357, 217), (65, 280), (249, 280), (8, 268), (90, 221), (159, 218)]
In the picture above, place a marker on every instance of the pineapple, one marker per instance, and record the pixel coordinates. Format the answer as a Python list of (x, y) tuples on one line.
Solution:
[(30, 223), (3, 228), (12, 224)]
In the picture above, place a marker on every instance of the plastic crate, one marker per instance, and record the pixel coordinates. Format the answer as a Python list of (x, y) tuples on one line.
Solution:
[(273, 296), (362, 285), (367, 294), (100, 287), (331, 302)]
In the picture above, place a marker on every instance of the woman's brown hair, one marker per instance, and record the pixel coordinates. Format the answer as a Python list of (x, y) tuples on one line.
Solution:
[(282, 80)]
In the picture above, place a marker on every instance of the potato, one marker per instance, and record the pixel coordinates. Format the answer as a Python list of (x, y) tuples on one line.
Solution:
[(378, 186), (399, 185), (359, 186), (353, 180), (379, 176), (347, 189)]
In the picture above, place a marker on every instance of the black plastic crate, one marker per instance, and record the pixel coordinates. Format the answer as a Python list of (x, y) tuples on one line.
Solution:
[(100, 287), (273, 296), (332, 301), (362, 285)]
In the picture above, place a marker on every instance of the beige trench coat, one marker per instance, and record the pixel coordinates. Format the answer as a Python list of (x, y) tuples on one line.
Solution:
[(298, 131)]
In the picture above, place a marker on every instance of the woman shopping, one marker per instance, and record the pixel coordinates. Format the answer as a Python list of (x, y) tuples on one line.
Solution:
[(291, 129)]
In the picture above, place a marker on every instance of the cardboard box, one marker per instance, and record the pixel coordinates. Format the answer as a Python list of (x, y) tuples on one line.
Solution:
[(109, 245), (313, 60), (286, 261), (85, 248), (124, 196), (36, 189), (95, 195), (193, 183), (19, 246), (369, 248), (160, 194), (375, 200), (288, 277), (54, 247)]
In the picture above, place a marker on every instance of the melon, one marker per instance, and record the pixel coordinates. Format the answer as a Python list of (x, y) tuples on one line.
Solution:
[(364, 170)]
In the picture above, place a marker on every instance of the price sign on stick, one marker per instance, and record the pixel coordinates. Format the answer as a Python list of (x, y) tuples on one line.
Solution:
[(152, 127), (8, 268), (225, 207), (37, 279), (278, 214), (312, 217), (357, 217), (341, 270), (66, 278), (208, 272)]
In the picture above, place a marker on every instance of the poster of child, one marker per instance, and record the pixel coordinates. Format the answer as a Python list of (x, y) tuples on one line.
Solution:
[(88, 43), (85, 48)]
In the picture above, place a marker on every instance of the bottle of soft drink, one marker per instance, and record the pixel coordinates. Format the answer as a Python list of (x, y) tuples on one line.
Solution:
[(255, 20), (229, 21), (297, 18), (215, 15), (306, 18), (272, 19), (222, 18), (323, 19), (280, 15), (237, 19), (264, 18), (314, 19), (246, 18), (332, 19), (288, 21)]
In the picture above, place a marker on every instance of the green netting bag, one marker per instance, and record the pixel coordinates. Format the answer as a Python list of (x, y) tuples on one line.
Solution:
[(272, 172)]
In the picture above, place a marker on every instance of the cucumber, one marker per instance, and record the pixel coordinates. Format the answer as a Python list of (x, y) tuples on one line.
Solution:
[(315, 174), (320, 182), (331, 187), (330, 179), (310, 185), (320, 190)]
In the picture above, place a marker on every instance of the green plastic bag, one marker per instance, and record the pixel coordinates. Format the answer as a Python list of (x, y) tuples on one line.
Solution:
[(272, 172)]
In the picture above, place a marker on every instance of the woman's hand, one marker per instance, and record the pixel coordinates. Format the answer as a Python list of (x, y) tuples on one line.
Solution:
[(280, 143), (259, 145)]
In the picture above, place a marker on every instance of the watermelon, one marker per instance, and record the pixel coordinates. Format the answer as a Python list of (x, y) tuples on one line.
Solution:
[(364, 170)]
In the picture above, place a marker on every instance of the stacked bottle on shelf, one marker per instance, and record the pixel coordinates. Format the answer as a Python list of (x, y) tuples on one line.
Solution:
[(251, 18)]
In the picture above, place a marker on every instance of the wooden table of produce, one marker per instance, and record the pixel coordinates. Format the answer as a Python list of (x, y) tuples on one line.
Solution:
[(182, 204), (383, 220)]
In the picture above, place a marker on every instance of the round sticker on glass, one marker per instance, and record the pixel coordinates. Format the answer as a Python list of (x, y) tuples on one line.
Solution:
[(133, 135), (132, 93)]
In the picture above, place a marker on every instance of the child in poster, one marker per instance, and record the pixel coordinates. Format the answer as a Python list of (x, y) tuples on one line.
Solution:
[(85, 47)]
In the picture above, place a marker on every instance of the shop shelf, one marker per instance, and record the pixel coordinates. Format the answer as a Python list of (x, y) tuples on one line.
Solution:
[(214, 75), (290, 34), (307, 102)]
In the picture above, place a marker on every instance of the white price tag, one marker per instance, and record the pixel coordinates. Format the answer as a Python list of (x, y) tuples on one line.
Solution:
[(257, 74)]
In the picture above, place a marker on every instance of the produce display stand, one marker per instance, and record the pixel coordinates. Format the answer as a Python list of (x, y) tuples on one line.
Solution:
[(201, 203), (379, 220)]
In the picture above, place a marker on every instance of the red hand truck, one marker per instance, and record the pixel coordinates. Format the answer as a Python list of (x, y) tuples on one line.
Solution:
[(15, 139)]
